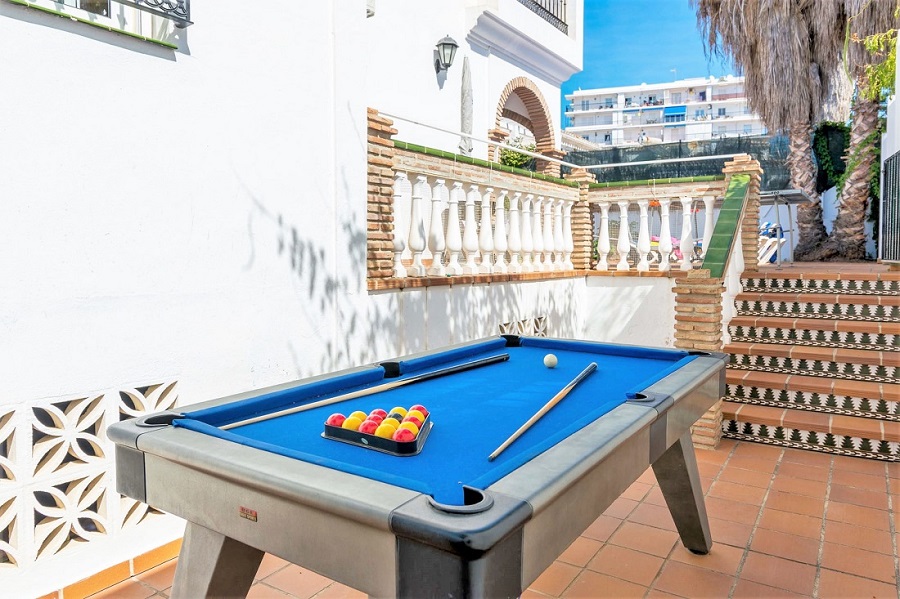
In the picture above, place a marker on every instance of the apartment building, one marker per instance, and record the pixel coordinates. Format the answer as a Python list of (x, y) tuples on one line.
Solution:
[(683, 110)]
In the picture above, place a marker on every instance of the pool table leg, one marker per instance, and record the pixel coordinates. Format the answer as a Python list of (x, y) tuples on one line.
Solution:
[(678, 477), (213, 565)]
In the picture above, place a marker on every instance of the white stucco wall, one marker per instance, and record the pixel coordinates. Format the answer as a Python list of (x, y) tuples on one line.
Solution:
[(156, 204), (400, 75)]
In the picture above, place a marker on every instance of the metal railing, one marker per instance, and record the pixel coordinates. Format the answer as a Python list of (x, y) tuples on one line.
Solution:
[(552, 11), (889, 241)]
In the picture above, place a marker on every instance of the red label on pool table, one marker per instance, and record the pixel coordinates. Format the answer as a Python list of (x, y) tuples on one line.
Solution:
[(247, 513)]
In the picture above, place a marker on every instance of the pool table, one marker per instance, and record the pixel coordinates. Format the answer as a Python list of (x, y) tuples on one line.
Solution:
[(446, 522)]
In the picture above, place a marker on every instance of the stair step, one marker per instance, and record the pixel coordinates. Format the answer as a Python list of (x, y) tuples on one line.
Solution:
[(790, 330), (879, 308), (835, 396), (886, 283), (831, 433), (849, 364)]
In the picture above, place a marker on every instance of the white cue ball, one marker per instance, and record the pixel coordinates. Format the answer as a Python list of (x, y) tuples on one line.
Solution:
[(550, 361)]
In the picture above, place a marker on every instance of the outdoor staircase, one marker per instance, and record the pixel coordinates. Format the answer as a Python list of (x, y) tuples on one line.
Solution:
[(815, 362)]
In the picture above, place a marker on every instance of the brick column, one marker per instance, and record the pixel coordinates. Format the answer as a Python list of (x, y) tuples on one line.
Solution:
[(750, 220), (698, 325), (582, 227), (546, 167), (499, 136), (380, 191)]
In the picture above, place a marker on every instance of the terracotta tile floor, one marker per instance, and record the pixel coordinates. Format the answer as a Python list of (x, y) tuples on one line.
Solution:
[(786, 523)]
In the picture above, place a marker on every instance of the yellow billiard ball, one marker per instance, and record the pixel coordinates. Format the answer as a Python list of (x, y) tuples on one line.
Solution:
[(352, 423), (385, 431)]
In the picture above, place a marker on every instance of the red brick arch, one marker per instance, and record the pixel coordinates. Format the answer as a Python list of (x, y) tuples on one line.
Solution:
[(538, 119)]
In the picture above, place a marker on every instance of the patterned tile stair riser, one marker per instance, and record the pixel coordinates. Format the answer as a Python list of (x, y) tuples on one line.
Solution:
[(815, 364)]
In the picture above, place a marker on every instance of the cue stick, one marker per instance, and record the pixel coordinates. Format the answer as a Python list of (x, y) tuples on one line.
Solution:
[(372, 390), (547, 407)]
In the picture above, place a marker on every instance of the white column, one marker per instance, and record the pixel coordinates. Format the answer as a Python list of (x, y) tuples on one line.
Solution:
[(537, 235), (417, 227), (557, 235), (401, 183), (708, 205), (548, 235), (515, 235), (500, 245), (623, 246), (470, 234), (485, 237), (454, 235), (436, 240), (527, 240), (568, 242), (687, 237), (603, 245), (643, 244), (665, 236)]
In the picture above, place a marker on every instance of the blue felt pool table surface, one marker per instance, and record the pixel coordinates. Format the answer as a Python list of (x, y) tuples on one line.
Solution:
[(472, 412)]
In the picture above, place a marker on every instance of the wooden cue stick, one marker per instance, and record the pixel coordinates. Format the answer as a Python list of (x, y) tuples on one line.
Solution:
[(547, 407), (371, 390)]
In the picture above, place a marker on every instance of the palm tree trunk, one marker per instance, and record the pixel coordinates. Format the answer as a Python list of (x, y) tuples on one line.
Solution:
[(803, 177), (849, 234)]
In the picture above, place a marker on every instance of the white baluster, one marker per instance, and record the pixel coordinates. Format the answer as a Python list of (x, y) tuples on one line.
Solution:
[(557, 235), (417, 227), (687, 237), (500, 244), (470, 235), (527, 240), (643, 244), (537, 234), (708, 204), (568, 242), (401, 189), (603, 245), (624, 244), (515, 235), (485, 237), (548, 235), (454, 235), (665, 236), (436, 240)]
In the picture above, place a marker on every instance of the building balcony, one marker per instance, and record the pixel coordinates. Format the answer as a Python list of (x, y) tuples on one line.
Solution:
[(552, 11)]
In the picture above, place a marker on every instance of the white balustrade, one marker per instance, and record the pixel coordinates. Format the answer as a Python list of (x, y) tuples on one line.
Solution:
[(687, 237), (401, 189), (708, 202), (603, 245), (500, 244), (516, 232), (417, 227), (485, 237), (527, 238), (643, 244), (568, 242), (436, 239), (557, 235), (665, 236), (454, 234), (623, 246), (537, 235), (515, 235), (470, 235), (547, 263)]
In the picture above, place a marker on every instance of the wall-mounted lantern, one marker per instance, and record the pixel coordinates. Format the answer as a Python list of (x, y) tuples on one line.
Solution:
[(446, 51)]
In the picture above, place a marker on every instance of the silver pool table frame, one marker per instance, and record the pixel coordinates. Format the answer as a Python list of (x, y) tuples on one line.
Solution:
[(241, 502)]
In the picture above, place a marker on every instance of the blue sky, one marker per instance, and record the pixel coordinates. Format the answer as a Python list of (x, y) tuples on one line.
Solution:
[(628, 42)]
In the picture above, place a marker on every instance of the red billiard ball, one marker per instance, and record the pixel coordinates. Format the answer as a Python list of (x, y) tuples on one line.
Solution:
[(420, 408), (335, 420), (368, 427), (414, 420), (378, 412), (376, 417), (404, 435)]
